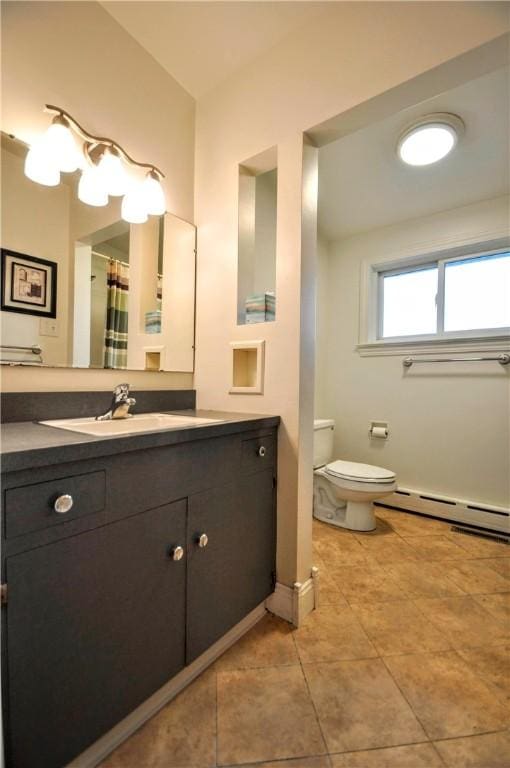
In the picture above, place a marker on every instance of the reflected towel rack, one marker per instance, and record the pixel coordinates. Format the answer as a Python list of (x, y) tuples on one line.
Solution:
[(34, 349), (503, 359)]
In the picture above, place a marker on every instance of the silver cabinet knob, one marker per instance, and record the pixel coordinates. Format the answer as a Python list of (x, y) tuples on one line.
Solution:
[(177, 553), (262, 451), (63, 504), (203, 540)]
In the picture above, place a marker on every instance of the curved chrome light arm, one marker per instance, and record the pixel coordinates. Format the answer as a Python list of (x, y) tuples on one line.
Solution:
[(89, 138)]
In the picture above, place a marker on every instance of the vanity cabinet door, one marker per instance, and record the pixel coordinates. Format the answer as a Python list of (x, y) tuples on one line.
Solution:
[(95, 624), (233, 573)]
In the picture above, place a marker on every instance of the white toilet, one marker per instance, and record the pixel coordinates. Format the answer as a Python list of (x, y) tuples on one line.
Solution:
[(343, 491)]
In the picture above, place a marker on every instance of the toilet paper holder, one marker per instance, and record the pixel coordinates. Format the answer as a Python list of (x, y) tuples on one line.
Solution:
[(378, 430)]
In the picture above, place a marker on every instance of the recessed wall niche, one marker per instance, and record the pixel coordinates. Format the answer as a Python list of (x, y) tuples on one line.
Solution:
[(256, 268), (247, 367)]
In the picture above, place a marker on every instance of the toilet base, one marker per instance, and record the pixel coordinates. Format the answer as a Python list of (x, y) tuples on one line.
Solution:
[(355, 515)]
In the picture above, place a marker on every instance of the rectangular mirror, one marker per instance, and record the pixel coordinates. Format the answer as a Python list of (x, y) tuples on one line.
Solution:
[(256, 269), (82, 288)]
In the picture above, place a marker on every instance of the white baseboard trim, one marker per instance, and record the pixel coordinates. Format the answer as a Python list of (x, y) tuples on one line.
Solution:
[(101, 748), (281, 602), (296, 602), (449, 508)]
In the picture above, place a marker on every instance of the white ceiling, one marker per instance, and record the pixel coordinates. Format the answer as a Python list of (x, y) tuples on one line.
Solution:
[(203, 43), (363, 185)]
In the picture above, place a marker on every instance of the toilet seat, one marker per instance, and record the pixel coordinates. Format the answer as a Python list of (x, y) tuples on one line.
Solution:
[(360, 473), (364, 487)]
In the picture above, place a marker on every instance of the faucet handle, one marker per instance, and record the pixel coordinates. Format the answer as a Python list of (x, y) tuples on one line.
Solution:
[(121, 392), (121, 402)]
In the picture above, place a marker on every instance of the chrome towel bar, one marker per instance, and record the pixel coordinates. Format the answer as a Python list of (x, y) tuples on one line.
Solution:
[(502, 359), (35, 349)]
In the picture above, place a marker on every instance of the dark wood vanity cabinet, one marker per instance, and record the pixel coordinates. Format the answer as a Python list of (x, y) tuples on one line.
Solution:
[(101, 610), (238, 521), (95, 624)]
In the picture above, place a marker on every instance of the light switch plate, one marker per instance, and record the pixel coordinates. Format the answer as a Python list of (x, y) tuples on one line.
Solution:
[(48, 326)]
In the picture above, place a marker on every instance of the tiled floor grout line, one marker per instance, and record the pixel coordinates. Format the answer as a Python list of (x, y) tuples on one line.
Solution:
[(380, 657), (377, 749), (471, 735), (440, 757), (311, 697), (261, 666), (282, 760), (456, 597), (455, 738), (406, 700)]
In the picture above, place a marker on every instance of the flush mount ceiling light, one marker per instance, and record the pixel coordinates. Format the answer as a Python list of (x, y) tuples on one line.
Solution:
[(107, 169), (429, 139)]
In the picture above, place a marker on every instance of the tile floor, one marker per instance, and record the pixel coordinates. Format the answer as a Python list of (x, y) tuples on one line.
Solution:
[(406, 664)]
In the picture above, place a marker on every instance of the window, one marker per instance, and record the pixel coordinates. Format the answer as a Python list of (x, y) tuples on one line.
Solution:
[(459, 296)]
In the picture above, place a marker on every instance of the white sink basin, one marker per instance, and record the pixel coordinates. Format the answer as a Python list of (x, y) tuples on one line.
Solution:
[(143, 422)]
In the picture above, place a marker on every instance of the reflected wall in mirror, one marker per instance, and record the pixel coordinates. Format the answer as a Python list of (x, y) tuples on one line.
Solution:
[(256, 269), (125, 292)]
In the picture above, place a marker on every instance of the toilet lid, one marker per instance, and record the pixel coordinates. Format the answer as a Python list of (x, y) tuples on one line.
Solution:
[(362, 473)]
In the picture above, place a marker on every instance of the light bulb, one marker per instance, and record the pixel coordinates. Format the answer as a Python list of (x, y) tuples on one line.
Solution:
[(430, 138), (39, 166), (153, 194), (427, 145), (90, 188), (134, 209), (115, 178), (62, 148)]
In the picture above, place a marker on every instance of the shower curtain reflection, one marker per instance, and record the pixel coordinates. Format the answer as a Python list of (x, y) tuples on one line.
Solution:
[(116, 332)]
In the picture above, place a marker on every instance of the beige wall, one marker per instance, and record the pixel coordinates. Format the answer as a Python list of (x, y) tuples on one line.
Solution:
[(74, 55), (449, 425), (321, 318), (347, 54), (265, 231)]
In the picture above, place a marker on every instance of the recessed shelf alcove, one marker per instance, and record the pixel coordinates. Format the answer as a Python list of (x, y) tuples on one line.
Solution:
[(247, 367)]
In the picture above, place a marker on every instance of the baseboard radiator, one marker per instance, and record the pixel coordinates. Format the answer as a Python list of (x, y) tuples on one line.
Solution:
[(447, 508)]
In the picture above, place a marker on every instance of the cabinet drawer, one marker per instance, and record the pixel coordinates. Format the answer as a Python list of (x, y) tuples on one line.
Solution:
[(31, 508), (257, 453)]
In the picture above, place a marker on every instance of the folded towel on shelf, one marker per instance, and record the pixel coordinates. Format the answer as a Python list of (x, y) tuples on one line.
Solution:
[(260, 307), (153, 321)]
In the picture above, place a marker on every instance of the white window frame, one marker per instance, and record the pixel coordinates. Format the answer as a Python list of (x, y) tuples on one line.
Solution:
[(371, 341)]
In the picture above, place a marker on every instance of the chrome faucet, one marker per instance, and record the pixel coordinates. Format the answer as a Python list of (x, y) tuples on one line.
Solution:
[(121, 402)]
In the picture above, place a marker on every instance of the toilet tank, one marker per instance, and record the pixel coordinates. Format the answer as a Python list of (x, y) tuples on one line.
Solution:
[(322, 441)]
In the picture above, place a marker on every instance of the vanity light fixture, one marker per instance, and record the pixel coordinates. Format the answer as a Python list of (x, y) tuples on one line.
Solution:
[(134, 208), (62, 147), (113, 174), (39, 167), (153, 194), (55, 152), (106, 168), (91, 189), (429, 139)]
